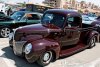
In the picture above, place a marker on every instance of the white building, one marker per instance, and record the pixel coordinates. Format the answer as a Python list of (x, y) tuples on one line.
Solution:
[(55, 3)]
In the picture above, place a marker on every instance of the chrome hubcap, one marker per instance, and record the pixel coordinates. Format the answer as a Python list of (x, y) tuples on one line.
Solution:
[(5, 32), (47, 57), (93, 42)]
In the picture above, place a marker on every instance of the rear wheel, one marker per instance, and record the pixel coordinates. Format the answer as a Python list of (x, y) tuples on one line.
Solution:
[(4, 32), (45, 59), (92, 42)]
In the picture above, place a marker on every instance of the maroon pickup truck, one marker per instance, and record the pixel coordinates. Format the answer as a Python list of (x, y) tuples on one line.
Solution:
[(61, 33)]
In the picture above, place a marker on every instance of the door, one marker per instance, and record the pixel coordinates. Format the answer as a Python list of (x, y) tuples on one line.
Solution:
[(33, 18), (71, 32), (22, 22)]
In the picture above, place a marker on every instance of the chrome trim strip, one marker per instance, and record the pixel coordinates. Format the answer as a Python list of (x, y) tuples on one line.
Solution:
[(18, 46)]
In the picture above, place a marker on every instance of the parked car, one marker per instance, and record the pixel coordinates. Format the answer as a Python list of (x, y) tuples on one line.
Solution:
[(92, 16), (2, 14), (96, 23), (18, 19), (86, 19), (60, 34)]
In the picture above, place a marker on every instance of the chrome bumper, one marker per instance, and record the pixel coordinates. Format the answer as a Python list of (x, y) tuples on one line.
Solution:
[(18, 47), (11, 38)]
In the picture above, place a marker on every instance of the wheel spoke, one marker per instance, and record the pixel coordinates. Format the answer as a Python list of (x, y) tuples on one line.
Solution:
[(5, 32), (8, 31), (93, 42)]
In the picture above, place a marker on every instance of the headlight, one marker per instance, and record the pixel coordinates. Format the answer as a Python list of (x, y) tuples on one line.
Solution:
[(28, 48)]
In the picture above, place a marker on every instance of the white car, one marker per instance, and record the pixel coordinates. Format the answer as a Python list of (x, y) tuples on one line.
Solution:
[(86, 19), (92, 18)]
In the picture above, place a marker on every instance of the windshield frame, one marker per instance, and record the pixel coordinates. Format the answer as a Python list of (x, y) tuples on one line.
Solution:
[(45, 23)]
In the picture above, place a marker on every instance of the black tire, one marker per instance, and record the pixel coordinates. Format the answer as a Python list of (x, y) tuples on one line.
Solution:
[(45, 61), (4, 32), (92, 42)]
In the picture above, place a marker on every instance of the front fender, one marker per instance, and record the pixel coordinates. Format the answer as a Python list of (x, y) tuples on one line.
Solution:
[(1, 26), (43, 45)]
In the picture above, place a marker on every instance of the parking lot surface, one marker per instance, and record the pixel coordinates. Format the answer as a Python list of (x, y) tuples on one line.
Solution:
[(86, 58)]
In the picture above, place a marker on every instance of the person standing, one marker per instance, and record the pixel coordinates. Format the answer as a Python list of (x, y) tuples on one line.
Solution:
[(9, 12)]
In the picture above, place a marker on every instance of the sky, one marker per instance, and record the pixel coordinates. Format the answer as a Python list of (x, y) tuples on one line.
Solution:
[(40, 1), (96, 2), (18, 1)]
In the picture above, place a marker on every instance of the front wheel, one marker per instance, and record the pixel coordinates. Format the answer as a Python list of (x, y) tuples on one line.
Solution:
[(45, 59), (92, 42), (4, 32)]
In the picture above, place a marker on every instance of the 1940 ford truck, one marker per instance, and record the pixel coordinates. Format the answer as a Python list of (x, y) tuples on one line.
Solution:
[(60, 34)]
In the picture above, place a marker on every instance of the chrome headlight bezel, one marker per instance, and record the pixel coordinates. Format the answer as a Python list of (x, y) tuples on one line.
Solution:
[(28, 48)]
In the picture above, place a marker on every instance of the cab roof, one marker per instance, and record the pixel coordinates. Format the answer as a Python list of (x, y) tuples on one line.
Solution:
[(64, 11)]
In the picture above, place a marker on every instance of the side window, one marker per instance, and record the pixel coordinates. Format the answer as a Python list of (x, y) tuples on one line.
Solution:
[(73, 21), (33, 17), (23, 19), (70, 19)]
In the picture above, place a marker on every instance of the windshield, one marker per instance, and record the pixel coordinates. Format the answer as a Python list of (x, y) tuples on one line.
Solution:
[(54, 18), (17, 16)]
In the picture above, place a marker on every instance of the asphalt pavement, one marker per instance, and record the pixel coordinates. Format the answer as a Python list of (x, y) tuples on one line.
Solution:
[(86, 58)]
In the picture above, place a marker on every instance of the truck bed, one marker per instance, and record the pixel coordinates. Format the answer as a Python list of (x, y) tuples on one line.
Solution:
[(86, 27)]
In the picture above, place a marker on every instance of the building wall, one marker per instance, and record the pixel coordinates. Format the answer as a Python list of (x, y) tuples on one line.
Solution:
[(55, 3), (73, 4)]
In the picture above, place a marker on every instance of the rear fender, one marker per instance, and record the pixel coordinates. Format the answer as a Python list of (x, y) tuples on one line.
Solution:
[(91, 34)]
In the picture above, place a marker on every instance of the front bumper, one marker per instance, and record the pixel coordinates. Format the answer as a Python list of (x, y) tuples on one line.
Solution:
[(18, 47), (11, 38)]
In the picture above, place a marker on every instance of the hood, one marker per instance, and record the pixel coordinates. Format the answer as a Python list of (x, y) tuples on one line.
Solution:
[(5, 22), (38, 29), (35, 30)]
